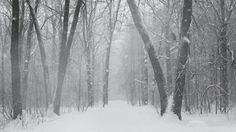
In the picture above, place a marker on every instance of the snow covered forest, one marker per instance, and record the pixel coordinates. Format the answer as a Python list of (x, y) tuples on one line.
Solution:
[(117, 65)]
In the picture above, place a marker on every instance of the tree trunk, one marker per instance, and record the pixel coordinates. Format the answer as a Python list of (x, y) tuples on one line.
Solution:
[(27, 58), (3, 73), (145, 78), (168, 69), (65, 51), (159, 76), (80, 85), (54, 55), (89, 76), (169, 38), (182, 58), (111, 32), (21, 34), (223, 60), (15, 65), (42, 53), (106, 77), (186, 93), (61, 70), (26, 63)]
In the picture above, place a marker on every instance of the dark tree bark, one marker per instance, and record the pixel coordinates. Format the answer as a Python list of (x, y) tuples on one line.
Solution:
[(65, 51), (79, 90), (15, 65), (182, 58), (159, 76), (42, 53), (223, 59), (21, 33)]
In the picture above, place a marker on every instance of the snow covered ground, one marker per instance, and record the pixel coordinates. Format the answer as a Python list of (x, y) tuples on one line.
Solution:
[(120, 117)]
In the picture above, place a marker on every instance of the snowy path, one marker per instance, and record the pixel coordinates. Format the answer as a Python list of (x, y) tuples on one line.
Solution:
[(120, 117)]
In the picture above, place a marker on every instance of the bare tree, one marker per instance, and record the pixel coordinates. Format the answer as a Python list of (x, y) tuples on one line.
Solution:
[(182, 59), (42, 52), (3, 39), (15, 66), (159, 76), (63, 40), (28, 58), (112, 25), (65, 50)]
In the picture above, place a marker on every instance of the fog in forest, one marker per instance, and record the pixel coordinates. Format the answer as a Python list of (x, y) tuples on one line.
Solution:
[(117, 65)]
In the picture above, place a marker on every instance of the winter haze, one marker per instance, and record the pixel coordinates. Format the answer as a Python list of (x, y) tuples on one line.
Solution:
[(117, 65)]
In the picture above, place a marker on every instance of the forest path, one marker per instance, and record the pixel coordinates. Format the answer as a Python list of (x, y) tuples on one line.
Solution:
[(121, 117)]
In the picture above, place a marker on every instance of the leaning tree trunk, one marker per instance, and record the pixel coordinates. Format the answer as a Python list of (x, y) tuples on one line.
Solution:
[(182, 58), (61, 72), (42, 53), (159, 76), (64, 55), (15, 66)]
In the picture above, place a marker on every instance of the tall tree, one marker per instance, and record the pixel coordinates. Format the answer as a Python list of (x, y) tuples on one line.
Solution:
[(112, 25), (21, 32), (65, 50), (3, 39), (223, 57), (88, 35), (145, 79), (42, 53), (27, 58), (15, 66), (60, 76), (158, 72), (182, 58)]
